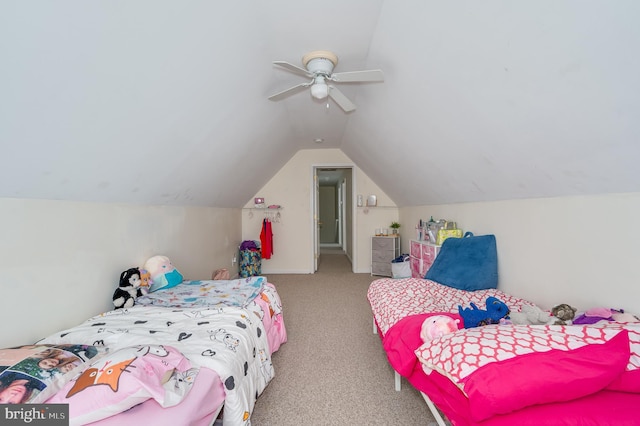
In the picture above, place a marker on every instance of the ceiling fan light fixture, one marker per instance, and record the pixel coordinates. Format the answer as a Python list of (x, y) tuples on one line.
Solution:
[(320, 90), (319, 66)]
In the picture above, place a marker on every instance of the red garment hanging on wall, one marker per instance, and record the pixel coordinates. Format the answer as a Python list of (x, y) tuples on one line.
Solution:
[(266, 239)]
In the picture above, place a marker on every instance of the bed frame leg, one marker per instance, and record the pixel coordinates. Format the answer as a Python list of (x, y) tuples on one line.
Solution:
[(434, 410), (398, 378), (398, 381)]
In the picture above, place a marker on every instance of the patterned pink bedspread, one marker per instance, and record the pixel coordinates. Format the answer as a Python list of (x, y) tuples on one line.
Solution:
[(394, 299)]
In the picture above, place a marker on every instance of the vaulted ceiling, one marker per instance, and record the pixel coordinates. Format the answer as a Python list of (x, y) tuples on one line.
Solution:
[(165, 102)]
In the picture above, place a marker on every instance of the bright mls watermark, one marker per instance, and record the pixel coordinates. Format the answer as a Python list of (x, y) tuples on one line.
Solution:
[(34, 414)]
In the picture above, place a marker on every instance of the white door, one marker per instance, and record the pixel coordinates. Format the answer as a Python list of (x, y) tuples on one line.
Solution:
[(316, 221), (342, 190)]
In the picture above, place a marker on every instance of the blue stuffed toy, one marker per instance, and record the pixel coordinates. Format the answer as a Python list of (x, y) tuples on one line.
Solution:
[(474, 317)]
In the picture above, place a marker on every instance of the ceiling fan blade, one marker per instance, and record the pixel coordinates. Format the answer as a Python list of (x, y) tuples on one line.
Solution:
[(290, 91), (293, 68), (342, 101), (358, 76)]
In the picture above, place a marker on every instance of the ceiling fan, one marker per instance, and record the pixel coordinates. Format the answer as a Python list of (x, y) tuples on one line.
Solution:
[(319, 68)]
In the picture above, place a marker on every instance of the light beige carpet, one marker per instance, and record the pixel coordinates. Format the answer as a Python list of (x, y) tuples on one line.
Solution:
[(333, 370)]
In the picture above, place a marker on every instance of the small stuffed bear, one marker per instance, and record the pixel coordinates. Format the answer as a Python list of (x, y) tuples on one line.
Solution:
[(437, 326), (129, 289), (474, 317)]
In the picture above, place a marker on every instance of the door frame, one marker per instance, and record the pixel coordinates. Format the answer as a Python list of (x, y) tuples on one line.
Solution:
[(315, 251)]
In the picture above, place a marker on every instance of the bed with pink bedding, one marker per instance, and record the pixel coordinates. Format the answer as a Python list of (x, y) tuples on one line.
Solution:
[(505, 374), (161, 364)]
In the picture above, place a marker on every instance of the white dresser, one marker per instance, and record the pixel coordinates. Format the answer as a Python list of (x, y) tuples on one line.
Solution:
[(383, 251)]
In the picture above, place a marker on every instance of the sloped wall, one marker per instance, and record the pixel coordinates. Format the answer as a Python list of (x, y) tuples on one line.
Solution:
[(61, 261)]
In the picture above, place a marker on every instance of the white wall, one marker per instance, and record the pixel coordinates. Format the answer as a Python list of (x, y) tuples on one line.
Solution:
[(292, 188), (61, 261), (577, 250)]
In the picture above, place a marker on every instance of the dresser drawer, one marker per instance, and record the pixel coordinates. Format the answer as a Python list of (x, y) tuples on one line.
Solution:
[(382, 256), (428, 253), (416, 249), (381, 268), (382, 244), (415, 267)]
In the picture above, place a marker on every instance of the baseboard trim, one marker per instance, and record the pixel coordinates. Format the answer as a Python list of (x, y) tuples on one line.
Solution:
[(285, 271)]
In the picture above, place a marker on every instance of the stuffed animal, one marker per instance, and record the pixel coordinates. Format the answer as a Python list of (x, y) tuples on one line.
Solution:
[(437, 326), (474, 317), (562, 314), (619, 315), (529, 315), (594, 315), (128, 290), (163, 273), (145, 281), (220, 274)]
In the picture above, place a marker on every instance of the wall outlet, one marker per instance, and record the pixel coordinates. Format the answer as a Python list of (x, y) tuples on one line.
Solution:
[(234, 260)]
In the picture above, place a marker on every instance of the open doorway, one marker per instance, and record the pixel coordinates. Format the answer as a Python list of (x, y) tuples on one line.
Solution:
[(333, 212)]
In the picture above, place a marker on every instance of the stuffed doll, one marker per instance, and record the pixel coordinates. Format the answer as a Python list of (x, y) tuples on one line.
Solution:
[(128, 290), (163, 274), (437, 326), (474, 317)]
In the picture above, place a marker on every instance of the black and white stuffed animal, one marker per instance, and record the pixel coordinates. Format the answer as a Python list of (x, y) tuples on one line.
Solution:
[(129, 289)]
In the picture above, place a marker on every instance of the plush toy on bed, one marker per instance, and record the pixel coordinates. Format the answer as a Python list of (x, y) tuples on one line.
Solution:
[(163, 274), (562, 314), (529, 315), (474, 317), (128, 290), (145, 281), (437, 326)]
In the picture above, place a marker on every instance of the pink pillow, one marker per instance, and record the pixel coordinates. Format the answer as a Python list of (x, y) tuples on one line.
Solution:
[(121, 380), (505, 368)]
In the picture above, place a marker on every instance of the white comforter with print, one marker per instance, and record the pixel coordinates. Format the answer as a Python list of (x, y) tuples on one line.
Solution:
[(230, 341)]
